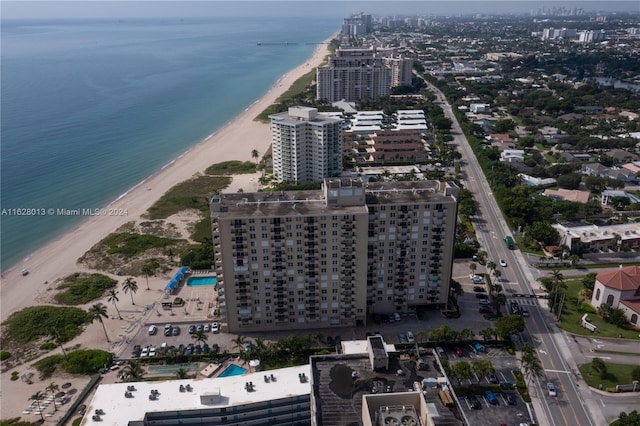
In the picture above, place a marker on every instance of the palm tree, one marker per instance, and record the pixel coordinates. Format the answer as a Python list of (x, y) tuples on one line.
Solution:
[(53, 388), (130, 286), (38, 397), (491, 265), (467, 334), (112, 296), (497, 274), (98, 312), (473, 266), (255, 155), (239, 342), (482, 368), (530, 362), (149, 268), (134, 371), (200, 336), (422, 336), (486, 333), (181, 373), (498, 301)]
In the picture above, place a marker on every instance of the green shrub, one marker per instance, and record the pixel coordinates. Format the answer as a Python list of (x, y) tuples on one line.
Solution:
[(47, 366), (510, 351), (130, 244), (190, 194), (34, 322), (15, 376), (86, 361), (231, 168), (47, 346), (4, 355), (77, 422), (80, 288), (586, 308)]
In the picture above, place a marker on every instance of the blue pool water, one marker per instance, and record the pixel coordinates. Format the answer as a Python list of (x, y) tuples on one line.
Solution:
[(198, 281), (233, 370)]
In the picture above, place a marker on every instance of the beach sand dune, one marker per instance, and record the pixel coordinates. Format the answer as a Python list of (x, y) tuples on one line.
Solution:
[(235, 141)]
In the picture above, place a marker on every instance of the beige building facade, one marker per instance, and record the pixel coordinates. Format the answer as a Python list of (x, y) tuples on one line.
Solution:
[(327, 258)]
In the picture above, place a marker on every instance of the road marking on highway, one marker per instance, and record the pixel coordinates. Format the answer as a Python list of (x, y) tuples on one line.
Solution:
[(602, 402), (557, 371), (542, 352), (601, 357)]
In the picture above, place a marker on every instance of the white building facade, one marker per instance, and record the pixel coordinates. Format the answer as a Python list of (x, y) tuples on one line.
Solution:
[(306, 145)]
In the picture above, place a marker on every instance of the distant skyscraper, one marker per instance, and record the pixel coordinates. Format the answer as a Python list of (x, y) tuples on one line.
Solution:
[(306, 145)]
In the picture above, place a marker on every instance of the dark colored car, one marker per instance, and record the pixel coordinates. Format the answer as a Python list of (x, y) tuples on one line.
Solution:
[(493, 378), (479, 289), (474, 402), (481, 296), (337, 340), (330, 341), (215, 348), (485, 310), (197, 349), (458, 351), (206, 349), (175, 330), (192, 329), (510, 398), (135, 352), (181, 349)]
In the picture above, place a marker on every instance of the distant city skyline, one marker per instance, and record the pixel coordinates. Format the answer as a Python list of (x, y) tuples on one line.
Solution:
[(210, 8)]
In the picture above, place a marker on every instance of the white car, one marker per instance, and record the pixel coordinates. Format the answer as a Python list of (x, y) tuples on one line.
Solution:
[(152, 351), (503, 263), (215, 327), (410, 337), (145, 352), (153, 330), (552, 389)]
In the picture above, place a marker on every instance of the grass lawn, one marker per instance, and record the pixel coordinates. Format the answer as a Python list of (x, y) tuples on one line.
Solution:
[(231, 168), (571, 316), (617, 374), (190, 194)]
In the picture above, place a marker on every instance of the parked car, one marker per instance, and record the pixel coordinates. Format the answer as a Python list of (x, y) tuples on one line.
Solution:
[(479, 289), (175, 330), (206, 349), (152, 330), (410, 337), (215, 327), (145, 352), (477, 279), (474, 402), (491, 398), (215, 348), (192, 329), (167, 329), (403, 338), (552, 389), (440, 351), (135, 352), (337, 341), (82, 409), (481, 296), (484, 302), (458, 351), (493, 378), (486, 310), (152, 350), (207, 328), (197, 349), (511, 400), (200, 327)]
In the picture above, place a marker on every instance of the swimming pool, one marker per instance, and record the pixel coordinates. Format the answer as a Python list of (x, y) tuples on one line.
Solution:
[(198, 281), (233, 370)]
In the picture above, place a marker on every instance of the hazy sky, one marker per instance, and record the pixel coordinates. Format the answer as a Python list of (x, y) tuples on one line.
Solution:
[(337, 8)]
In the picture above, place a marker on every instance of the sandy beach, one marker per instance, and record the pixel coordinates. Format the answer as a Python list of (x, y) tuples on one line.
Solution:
[(235, 141)]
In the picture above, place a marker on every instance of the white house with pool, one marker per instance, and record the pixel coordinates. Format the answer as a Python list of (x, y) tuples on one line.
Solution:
[(263, 398)]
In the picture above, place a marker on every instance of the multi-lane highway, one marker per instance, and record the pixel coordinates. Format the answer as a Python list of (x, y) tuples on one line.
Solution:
[(571, 405)]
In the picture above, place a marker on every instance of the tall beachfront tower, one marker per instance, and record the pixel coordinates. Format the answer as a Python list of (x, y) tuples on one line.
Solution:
[(306, 145), (327, 258)]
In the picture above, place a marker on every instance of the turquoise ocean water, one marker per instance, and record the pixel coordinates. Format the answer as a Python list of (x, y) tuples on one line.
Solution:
[(89, 109)]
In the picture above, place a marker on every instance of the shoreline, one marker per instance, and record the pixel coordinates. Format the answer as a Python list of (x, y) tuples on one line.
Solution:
[(58, 257)]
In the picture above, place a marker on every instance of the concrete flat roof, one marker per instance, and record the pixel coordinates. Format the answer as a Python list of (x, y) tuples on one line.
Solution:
[(119, 410)]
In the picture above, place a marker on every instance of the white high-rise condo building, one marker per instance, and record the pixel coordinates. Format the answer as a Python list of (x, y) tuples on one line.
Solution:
[(306, 145), (327, 258)]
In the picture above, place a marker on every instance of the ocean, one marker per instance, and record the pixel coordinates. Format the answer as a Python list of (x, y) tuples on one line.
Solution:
[(89, 109)]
